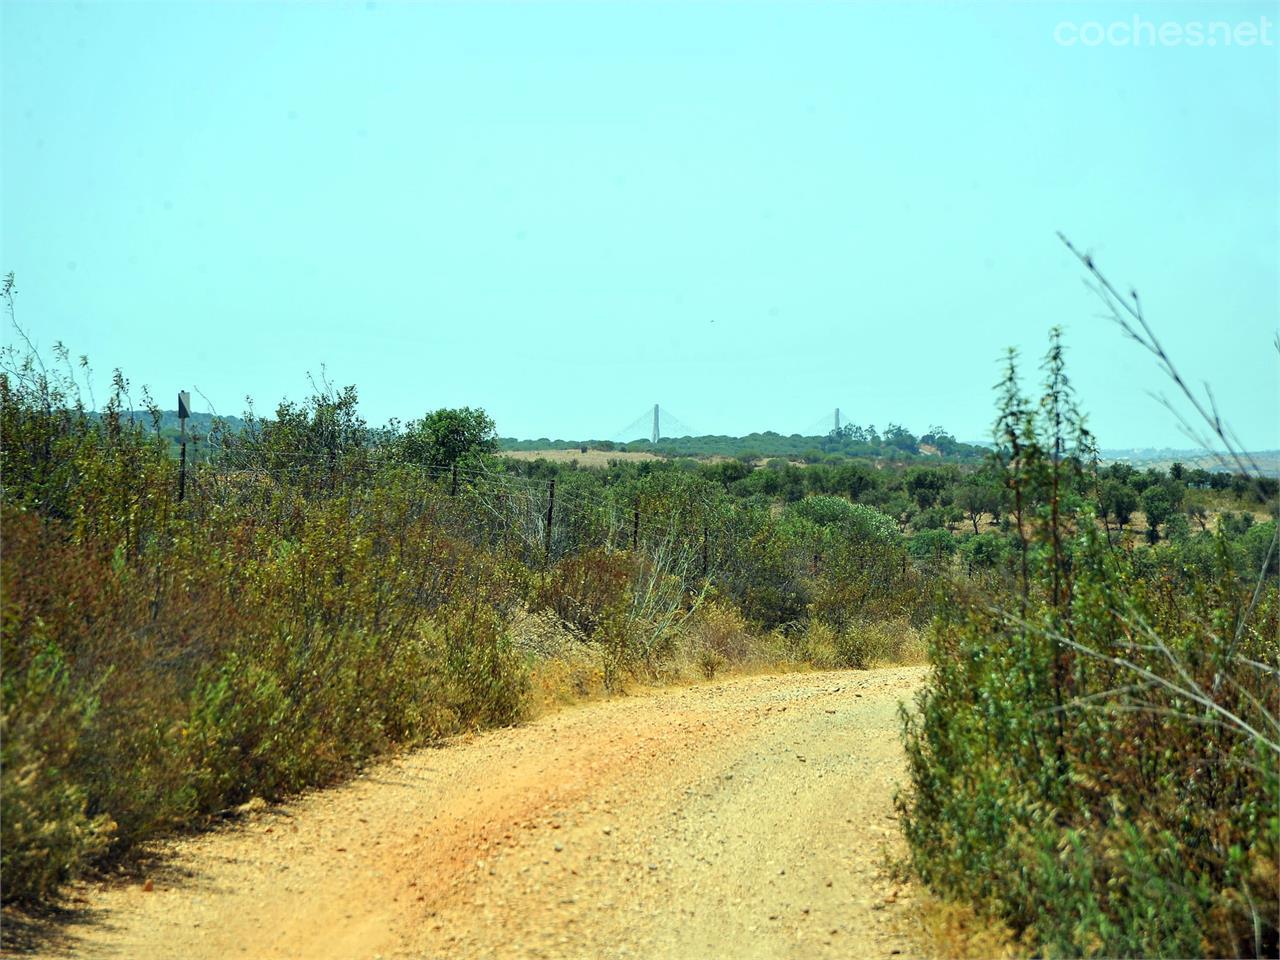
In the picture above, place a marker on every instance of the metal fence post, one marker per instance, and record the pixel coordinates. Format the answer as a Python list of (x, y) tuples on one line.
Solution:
[(551, 507)]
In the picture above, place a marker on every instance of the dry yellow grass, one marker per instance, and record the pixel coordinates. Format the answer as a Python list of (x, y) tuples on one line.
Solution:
[(951, 931), (592, 458)]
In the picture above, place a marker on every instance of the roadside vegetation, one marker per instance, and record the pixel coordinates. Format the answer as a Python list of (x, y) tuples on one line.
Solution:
[(323, 591), (1095, 760)]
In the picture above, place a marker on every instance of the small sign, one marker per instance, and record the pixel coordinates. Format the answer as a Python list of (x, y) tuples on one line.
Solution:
[(184, 404)]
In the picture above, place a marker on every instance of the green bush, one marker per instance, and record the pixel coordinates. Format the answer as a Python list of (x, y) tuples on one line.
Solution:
[(1262, 555), (1097, 818), (932, 546), (1095, 759), (485, 678)]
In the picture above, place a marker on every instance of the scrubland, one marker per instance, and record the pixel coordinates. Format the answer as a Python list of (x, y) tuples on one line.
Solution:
[(1092, 758)]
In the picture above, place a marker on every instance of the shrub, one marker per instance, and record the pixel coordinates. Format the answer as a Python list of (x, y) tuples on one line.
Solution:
[(986, 551), (1262, 557), (1094, 759), (867, 644), (819, 645), (721, 637), (485, 681), (823, 509), (1066, 821), (932, 546), (585, 589), (46, 832)]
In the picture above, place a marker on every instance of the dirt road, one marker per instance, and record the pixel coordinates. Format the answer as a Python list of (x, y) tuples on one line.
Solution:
[(743, 818)]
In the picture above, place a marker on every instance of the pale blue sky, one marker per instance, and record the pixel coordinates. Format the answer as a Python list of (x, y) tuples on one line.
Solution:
[(563, 213)]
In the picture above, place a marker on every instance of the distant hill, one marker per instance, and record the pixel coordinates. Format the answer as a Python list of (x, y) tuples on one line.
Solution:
[(196, 423), (1164, 457), (815, 448), (198, 427), (897, 445), (770, 444)]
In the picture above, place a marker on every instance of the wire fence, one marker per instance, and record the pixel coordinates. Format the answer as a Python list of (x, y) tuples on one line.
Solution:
[(542, 519)]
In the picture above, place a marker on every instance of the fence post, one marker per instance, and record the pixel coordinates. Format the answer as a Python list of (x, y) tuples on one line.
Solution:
[(635, 528), (704, 551), (551, 507), (184, 411), (453, 486)]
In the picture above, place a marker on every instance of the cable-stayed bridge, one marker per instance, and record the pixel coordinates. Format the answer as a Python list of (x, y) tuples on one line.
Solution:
[(657, 423), (654, 424)]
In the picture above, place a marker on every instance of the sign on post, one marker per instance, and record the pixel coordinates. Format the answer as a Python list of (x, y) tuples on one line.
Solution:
[(184, 411)]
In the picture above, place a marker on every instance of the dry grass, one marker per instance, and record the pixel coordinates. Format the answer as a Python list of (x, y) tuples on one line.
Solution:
[(567, 669), (563, 667), (592, 458), (602, 458), (952, 931)]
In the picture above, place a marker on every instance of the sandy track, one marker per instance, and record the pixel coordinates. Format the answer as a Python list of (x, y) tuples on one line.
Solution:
[(744, 818)]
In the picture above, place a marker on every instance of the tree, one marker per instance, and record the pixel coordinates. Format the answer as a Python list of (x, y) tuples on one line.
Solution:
[(932, 546), (986, 551), (1159, 504), (1118, 501), (1199, 478), (444, 437), (1120, 472), (926, 485), (854, 479), (980, 495), (938, 518), (900, 437), (1197, 509), (1259, 544)]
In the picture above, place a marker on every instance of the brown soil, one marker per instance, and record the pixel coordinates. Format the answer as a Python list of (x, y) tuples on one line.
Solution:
[(748, 818)]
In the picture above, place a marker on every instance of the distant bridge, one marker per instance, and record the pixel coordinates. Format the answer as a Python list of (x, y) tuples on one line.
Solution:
[(659, 422)]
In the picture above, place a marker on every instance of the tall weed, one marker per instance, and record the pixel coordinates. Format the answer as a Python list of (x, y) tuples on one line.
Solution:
[(1095, 760)]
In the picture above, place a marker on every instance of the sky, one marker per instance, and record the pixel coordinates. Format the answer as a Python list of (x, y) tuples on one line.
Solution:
[(751, 213)]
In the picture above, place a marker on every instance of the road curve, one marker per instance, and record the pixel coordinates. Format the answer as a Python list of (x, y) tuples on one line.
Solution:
[(747, 817)]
